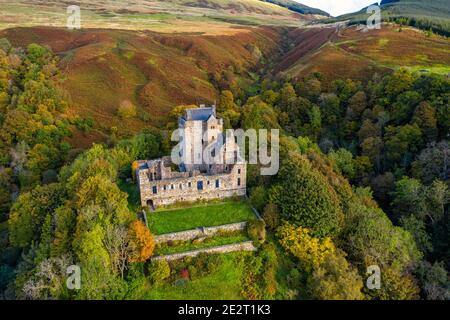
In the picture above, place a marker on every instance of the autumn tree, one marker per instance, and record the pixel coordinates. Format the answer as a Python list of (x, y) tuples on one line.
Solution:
[(141, 242), (310, 251)]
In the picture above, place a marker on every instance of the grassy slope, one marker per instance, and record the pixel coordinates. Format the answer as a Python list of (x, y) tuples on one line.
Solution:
[(207, 243), (374, 51), (430, 9), (223, 284), (162, 15), (199, 216)]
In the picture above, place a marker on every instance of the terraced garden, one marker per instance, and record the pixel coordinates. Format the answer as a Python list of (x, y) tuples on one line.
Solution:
[(206, 215)]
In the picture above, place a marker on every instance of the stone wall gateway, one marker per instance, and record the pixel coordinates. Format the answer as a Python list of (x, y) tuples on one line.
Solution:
[(243, 246), (200, 232)]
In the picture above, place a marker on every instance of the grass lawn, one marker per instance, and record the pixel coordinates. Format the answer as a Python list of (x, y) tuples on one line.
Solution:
[(207, 243), (206, 215), (224, 284)]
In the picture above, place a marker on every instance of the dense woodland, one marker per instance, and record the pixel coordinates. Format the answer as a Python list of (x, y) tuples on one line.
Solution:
[(364, 180)]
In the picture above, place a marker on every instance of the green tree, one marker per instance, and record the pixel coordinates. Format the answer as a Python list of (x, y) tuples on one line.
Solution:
[(335, 279), (305, 197)]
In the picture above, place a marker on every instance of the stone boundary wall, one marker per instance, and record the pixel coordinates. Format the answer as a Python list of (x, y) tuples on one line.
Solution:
[(243, 246), (200, 232)]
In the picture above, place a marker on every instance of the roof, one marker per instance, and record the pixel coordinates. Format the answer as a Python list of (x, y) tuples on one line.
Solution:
[(199, 114)]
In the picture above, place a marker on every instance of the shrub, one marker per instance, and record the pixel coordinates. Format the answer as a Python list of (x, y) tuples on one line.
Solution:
[(127, 110), (256, 230), (258, 197), (271, 216), (184, 274), (193, 272), (213, 263), (158, 271)]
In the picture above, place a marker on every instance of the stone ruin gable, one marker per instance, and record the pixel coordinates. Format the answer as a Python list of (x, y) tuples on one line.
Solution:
[(192, 186)]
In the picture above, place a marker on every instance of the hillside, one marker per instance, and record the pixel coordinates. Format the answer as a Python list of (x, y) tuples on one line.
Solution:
[(206, 16), (431, 14), (331, 52), (298, 7), (154, 71)]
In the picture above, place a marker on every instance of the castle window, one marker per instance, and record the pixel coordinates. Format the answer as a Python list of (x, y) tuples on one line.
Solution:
[(239, 171), (208, 182), (165, 187), (172, 187), (155, 189), (213, 138), (181, 186), (213, 153), (189, 184), (239, 182), (217, 183), (199, 185)]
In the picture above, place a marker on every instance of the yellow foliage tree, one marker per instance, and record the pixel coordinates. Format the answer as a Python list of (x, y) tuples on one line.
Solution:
[(141, 242), (309, 250)]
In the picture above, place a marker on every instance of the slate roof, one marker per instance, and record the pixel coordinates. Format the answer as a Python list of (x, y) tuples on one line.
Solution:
[(200, 114)]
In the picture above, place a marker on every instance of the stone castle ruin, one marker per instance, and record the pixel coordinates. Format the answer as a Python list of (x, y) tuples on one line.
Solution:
[(208, 166)]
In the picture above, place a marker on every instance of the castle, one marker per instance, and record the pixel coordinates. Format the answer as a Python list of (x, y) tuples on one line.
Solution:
[(209, 166)]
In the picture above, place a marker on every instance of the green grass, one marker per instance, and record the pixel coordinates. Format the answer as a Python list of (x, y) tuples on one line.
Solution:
[(206, 215), (224, 284), (437, 69), (216, 241)]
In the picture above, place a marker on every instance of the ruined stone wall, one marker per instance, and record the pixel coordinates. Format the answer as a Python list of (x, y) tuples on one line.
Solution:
[(243, 246), (200, 232), (186, 189)]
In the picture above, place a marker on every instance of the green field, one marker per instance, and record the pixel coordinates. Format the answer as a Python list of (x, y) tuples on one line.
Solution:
[(206, 215), (224, 284), (215, 241)]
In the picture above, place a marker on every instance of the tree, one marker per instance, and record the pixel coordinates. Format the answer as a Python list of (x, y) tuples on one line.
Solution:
[(226, 102), (335, 279), (29, 212), (425, 118), (256, 114), (343, 160), (256, 230), (287, 97), (356, 105), (402, 142), (433, 163), (141, 242), (310, 251), (271, 216), (396, 285), (417, 228), (117, 242), (372, 148), (434, 281), (306, 198), (370, 238)]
